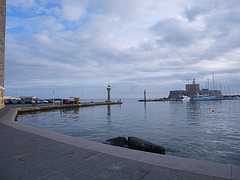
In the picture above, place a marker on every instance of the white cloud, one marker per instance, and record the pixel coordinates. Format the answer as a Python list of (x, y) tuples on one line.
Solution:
[(130, 44), (72, 11), (175, 32), (24, 4)]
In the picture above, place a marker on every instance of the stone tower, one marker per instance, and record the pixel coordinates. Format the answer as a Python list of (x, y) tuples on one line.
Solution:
[(109, 94), (2, 48), (145, 95)]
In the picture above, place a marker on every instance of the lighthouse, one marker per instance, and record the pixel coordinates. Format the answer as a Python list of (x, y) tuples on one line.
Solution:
[(145, 95)]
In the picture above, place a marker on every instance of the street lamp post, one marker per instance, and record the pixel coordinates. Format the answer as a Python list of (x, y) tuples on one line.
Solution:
[(53, 98)]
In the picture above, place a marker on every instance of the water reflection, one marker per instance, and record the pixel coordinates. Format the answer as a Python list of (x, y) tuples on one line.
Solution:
[(76, 110), (73, 113), (145, 110), (53, 119), (192, 111), (109, 113)]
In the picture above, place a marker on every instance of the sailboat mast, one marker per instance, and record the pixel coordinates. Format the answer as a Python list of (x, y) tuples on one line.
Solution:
[(213, 81)]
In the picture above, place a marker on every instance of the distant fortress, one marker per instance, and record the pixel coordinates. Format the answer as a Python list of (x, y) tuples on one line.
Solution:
[(192, 90)]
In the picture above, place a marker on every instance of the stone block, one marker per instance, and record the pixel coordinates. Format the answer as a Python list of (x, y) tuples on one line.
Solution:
[(139, 144), (118, 141)]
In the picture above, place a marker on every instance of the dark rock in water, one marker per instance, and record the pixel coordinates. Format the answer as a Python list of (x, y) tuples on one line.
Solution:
[(136, 143), (118, 141), (139, 144)]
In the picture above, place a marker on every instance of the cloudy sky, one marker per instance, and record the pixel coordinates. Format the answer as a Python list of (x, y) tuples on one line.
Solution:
[(75, 47)]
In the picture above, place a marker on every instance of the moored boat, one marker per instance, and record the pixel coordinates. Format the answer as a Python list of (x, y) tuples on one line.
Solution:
[(184, 98), (206, 98)]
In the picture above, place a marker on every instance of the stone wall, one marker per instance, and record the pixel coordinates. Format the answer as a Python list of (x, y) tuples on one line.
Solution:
[(2, 39), (2, 48), (174, 95)]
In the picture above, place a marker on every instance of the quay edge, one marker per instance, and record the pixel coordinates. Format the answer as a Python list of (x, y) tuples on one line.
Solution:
[(49, 107)]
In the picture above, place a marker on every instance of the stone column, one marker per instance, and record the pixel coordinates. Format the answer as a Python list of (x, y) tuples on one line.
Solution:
[(109, 94), (2, 47)]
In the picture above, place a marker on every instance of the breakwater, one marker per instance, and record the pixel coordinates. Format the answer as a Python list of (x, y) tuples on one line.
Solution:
[(62, 106)]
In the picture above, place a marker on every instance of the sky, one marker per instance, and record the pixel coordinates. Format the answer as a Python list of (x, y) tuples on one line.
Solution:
[(78, 47)]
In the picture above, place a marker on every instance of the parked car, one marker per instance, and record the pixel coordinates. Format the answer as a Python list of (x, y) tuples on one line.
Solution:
[(45, 101), (7, 101), (12, 101), (39, 101), (27, 101), (20, 102)]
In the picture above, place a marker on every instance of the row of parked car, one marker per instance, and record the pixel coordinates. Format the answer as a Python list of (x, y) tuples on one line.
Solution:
[(26, 101), (13, 101)]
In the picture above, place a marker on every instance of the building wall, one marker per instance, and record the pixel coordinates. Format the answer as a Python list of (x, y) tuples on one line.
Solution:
[(205, 92), (1, 99), (217, 93), (174, 95), (193, 88), (2, 47)]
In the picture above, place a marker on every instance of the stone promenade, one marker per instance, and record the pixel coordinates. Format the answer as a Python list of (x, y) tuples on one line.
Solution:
[(30, 153)]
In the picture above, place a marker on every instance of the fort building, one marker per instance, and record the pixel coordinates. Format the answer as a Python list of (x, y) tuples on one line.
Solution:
[(192, 90), (2, 48)]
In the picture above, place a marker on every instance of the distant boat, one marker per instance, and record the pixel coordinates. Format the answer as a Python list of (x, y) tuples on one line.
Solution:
[(184, 98), (231, 97), (206, 98)]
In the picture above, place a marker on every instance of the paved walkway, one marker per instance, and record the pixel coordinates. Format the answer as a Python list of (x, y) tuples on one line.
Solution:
[(30, 153)]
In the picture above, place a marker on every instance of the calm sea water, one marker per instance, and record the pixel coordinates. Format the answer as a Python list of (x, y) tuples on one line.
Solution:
[(186, 129)]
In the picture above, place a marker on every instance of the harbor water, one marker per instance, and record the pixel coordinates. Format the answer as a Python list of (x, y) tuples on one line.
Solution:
[(206, 130)]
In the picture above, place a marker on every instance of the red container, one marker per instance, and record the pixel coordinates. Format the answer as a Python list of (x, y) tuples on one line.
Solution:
[(65, 101)]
